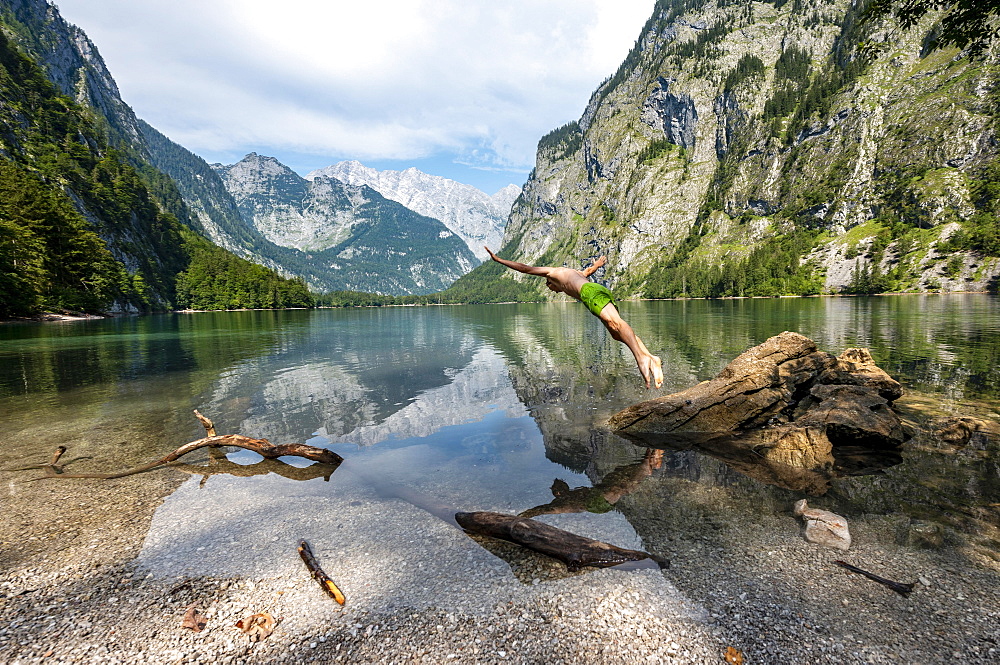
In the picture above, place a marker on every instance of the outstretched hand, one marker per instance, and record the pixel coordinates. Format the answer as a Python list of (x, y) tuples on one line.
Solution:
[(594, 266), (490, 252)]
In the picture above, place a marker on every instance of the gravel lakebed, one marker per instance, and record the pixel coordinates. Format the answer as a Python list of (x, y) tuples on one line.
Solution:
[(104, 571)]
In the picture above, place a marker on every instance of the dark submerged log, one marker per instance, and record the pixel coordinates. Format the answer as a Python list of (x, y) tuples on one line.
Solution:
[(573, 550)]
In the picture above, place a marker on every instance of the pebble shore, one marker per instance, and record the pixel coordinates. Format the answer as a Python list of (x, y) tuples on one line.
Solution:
[(77, 585)]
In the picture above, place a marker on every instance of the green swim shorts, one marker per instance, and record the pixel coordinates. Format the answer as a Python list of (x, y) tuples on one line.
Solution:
[(595, 296)]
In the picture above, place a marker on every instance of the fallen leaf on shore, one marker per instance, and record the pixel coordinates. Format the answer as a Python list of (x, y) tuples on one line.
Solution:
[(734, 656), (193, 619), (257, 626)]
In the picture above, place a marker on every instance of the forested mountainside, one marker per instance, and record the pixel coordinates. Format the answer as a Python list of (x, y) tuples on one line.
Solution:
[(367, 242), (767, 148), (214, 210), (86, 223)]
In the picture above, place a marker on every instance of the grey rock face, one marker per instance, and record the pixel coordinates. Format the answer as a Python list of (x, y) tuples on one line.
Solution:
[(476, 217), (731, 120), (762, 158), (289, 211), (371, 243), (674, 115)]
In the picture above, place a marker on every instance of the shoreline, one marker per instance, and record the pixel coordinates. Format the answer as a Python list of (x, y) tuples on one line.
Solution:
[(47, 317), (105, 571)]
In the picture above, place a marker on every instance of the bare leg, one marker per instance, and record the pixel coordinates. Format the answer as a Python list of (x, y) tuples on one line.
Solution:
[(649, 365)]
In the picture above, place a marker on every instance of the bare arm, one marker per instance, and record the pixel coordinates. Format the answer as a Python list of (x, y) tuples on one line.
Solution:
[(520, 267), (594, 266)]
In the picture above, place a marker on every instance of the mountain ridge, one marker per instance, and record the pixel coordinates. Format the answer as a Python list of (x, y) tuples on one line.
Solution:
[(475, 216), (755, 150), (190, 189), (369, 242)]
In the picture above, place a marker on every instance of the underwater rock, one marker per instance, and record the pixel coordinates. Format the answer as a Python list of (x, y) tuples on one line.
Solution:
[(926, 535), (823, 527), (967, 431)]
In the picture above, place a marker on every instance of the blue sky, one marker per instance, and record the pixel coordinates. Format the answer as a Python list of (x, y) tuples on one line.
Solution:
[(458, 88)]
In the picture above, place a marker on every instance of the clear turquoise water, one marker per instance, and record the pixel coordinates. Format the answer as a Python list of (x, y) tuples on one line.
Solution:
[(476, 407)]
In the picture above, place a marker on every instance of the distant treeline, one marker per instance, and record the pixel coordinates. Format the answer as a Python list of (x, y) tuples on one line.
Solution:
[(216, 279), (482, 285)]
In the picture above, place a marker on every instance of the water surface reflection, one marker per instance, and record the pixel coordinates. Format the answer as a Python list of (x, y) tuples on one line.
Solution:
[(480, 408)]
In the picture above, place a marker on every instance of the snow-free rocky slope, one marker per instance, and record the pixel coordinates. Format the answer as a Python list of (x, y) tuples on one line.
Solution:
[(476, 217), (738, 131), (369, 242)]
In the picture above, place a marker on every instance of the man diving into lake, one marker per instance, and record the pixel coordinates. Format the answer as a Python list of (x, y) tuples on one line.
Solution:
[(600, 302)]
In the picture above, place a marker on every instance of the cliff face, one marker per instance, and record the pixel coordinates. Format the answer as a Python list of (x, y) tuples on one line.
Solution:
[(363, 240), (740, 128), (476, 217), (72, 62)]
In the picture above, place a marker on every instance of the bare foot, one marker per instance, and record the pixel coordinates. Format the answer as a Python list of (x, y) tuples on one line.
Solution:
[(644, 369), (651, 372)]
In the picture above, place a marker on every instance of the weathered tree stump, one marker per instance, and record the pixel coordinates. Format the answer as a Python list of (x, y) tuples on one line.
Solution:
[(785, 401)]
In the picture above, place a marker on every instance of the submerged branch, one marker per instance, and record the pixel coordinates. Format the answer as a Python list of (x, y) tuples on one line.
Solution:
[(262, 447)]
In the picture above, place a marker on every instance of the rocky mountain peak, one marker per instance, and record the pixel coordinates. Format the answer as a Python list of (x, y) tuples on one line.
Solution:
[(734, 133), (371, 243), (474, 216)]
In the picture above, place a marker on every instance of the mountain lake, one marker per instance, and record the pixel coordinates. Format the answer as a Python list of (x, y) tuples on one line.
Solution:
[(467, 408)]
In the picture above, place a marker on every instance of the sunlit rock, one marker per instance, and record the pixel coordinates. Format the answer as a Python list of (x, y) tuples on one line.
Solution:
[(792, 406), (783, 381), (823, 527)]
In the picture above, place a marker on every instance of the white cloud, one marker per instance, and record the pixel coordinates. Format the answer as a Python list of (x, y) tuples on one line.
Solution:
[(379, 79)]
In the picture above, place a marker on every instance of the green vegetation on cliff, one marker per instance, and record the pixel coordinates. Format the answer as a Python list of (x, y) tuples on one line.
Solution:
[(837, 167), (773, 268)]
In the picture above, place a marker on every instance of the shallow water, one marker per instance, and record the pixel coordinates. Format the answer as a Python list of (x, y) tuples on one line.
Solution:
[(441, 409)]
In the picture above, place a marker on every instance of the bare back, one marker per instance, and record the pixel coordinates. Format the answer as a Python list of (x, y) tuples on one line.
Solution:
[(565, 280)]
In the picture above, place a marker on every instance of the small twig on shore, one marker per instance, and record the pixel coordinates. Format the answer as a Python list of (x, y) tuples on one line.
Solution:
[(324, 580), (900, 588)]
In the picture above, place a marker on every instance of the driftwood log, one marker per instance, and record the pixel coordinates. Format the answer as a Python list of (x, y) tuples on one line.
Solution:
[(783, 401), (224, 467), (573, 550), (263, 447)]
